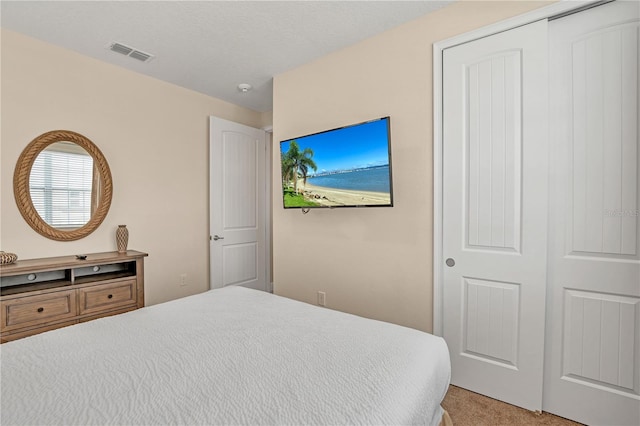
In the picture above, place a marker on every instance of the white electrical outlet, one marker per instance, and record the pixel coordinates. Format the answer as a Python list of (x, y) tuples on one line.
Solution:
[(322, 298), (183, 280)]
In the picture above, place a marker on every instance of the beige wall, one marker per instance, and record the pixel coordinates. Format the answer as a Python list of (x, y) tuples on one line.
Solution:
[(373, 262), (155, 138)]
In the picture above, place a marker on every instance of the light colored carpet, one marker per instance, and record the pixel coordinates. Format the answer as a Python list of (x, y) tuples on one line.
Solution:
[(469, 408)]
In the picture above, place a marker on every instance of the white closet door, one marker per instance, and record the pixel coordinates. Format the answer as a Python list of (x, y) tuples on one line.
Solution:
[(592, 361), (495, 213)]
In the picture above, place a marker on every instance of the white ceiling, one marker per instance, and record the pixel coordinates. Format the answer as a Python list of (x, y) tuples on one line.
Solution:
[(211, 46)]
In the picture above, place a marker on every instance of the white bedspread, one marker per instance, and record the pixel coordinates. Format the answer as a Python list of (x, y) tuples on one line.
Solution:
[(228, 356)]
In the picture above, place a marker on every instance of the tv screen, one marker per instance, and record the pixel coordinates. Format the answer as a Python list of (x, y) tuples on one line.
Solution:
[(345, 167)]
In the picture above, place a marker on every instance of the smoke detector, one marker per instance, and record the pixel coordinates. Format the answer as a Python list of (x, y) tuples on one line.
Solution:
[(244, 87), (130, 52)]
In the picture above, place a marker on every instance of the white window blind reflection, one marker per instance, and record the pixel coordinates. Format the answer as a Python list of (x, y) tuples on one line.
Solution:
[(60, 186)]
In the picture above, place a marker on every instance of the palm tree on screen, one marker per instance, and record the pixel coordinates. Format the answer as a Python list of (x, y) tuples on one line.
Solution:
[(296, 164), (287, 171)]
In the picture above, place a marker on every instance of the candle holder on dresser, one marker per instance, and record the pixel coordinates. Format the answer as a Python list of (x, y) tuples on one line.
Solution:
[(7, 258), (122, 238)]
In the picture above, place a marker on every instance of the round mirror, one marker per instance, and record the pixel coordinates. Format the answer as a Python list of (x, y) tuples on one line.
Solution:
[(62, 185)]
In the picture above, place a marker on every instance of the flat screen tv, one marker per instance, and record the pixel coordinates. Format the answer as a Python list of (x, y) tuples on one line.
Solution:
[(345, 167)]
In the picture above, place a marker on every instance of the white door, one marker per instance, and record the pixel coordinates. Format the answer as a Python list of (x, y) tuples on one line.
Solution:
[(238, 187), (495, 213), (592, 365)]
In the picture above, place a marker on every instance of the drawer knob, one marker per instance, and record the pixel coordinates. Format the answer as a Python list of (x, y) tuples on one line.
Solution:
[(110, 296), (40, 309)]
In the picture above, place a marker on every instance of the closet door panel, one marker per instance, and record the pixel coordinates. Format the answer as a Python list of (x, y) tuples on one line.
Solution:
[(592, 365), (494, 213)]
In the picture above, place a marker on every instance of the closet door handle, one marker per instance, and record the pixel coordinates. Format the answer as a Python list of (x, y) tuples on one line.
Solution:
[(450, 262), (217, 237)]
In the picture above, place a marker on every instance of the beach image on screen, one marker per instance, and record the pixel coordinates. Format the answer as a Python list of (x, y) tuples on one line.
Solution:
[(339, 168)]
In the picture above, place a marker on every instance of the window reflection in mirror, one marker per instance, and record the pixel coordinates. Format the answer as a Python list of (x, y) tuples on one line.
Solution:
[(63, 183)]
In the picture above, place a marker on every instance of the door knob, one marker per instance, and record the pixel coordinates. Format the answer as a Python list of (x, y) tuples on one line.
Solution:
[(216, 238), (450, 262)]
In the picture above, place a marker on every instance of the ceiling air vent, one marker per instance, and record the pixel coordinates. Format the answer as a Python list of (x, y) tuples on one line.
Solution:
[(130, 52), (121, 48), (141, 56)]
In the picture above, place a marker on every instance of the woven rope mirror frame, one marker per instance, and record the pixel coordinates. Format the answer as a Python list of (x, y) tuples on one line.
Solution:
[(22, 192)]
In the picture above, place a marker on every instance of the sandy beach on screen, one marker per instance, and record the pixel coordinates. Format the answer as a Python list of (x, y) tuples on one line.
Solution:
[(341, 197)]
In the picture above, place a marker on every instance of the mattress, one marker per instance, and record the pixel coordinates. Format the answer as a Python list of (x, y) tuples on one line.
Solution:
[(226, 356)]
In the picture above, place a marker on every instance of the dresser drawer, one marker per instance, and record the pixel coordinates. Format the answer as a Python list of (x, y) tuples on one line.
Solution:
[(105, 297), (41, 309)]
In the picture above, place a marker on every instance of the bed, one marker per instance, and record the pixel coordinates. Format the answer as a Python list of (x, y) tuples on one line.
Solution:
[(226, 356)]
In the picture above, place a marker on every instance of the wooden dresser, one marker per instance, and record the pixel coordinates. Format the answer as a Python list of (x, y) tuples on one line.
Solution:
[(37, 295)]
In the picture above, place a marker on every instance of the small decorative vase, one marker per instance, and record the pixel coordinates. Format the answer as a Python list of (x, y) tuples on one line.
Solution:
[(122, 238), (7, 258)]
